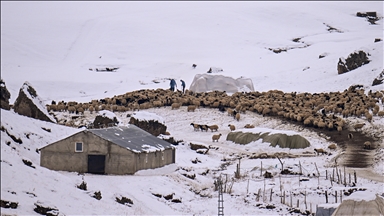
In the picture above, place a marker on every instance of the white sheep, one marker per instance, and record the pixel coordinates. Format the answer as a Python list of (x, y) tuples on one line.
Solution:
[(358, 126), (320, 150), (232, 127), (237, 116), (191, 108), (216, 137), (249, 126), (175, 105), (203, 128), (333, 146), (213, 127), (367, 145), (196, 127)]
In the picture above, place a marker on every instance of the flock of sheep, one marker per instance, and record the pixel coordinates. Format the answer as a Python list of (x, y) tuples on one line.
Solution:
[(321, 110)]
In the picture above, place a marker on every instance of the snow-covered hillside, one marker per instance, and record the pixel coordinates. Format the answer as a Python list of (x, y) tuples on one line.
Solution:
[(57, 47), (53, 45)]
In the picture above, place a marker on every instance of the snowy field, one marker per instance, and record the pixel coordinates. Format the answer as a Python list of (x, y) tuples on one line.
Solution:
[(57, 47)]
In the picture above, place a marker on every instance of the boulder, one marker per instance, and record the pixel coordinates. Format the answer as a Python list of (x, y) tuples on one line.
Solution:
[(354, 60), (29, 104), (4, 96)]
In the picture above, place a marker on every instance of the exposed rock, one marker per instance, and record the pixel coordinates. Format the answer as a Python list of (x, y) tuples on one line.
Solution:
[(29, 104), (365, 14), (124, 200), (28, 163), (371, 16), (377, 40), (153, 127), (4, 96), (9, 204), (354, 60), (97, 195), (43, 210), (103, 122), (379, 79)]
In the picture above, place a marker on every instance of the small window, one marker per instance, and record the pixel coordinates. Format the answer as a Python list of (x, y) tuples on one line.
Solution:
[(79, 147)]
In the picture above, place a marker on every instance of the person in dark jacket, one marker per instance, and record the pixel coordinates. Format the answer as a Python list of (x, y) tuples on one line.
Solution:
[(182, 85), (173, 85)]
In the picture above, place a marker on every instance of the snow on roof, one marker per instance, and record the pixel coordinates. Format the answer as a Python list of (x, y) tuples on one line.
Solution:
[(328, 205), (362, 195), (147, 116), (36, 100), (132, 138), (267, 130)]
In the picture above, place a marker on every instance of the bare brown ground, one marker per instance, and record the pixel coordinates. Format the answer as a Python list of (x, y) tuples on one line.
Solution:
[(355, 156)]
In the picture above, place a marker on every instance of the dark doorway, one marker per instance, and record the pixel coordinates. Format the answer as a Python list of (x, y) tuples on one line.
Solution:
[(173, 155), (96, 164)]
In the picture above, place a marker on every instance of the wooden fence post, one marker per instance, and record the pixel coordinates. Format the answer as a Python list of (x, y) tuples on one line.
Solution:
[(341, 197), (305, 199), (261, 169), (264, 191), (335, 196), (326, 196), (349, 178), (301, 171), (345, 178)]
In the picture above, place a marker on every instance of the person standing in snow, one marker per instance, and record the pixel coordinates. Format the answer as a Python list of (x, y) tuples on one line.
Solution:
[(173, 84), (182, 85)]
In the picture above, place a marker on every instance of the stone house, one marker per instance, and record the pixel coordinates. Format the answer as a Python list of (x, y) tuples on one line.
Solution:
[(114, 150)]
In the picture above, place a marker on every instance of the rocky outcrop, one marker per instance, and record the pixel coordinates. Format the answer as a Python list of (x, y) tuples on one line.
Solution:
[(354, 60), (29, 104), (370, 16), (153, 127), (379, 79), (4, 96)]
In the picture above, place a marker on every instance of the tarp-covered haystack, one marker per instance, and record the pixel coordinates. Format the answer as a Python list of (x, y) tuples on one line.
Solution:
[(207, 82), (361, 203), (284, 139)]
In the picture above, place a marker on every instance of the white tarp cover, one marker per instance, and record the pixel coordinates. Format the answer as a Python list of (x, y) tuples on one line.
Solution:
[(208, 82), (360, 204)]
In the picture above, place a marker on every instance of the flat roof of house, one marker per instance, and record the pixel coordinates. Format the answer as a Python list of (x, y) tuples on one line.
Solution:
[(132, 138)]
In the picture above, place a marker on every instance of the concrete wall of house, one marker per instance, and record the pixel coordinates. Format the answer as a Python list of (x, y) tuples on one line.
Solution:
[(62, 156), (154, 160), (119, 160)]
